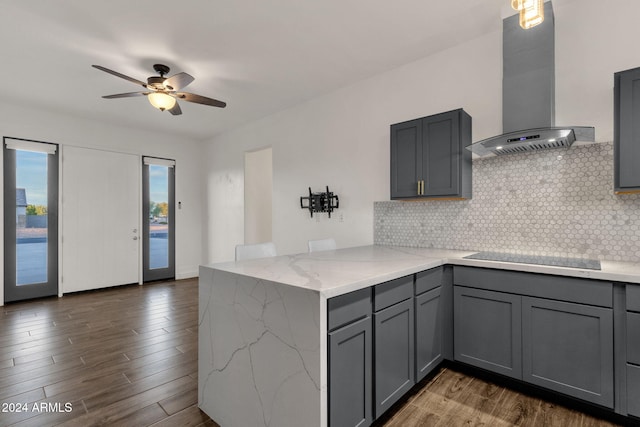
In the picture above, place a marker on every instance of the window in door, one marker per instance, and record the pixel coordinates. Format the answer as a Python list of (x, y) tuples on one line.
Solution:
[(158, 219), (30, 219)]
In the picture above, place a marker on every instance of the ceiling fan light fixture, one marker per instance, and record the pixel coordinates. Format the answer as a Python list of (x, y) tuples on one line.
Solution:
[(531, 12), (161, 101), (163, 92)]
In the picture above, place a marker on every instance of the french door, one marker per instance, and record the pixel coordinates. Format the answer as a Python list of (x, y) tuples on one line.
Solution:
[(158, 219), (30, 219)]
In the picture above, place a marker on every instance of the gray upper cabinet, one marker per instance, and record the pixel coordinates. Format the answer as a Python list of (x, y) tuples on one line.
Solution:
[(627, 131), (487, 330), (406, 154), (568, 348), (429, 159)]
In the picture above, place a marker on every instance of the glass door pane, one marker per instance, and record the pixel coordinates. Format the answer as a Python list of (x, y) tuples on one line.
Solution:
[(31, 217), (30, 172), (158, 186), (158, 216)]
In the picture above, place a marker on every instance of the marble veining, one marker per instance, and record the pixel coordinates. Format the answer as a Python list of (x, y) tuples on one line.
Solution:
[(259, 351), (262, 334), (336, 272)]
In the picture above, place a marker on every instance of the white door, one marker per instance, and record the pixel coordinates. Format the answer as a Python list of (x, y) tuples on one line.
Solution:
[(100, 219)]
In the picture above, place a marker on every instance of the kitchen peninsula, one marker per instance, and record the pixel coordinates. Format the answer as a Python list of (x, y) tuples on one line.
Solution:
[(263, 356)]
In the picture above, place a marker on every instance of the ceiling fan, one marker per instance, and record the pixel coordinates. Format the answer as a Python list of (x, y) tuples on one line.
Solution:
[(163, 92)]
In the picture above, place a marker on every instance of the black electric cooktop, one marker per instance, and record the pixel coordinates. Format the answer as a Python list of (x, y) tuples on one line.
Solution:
[(589, 264)]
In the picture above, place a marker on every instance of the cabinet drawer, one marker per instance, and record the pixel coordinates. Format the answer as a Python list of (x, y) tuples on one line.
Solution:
[(633, 338), (633, 297), (389, 293), (427, 280), (583, 291), (633, 390), (349, 307)]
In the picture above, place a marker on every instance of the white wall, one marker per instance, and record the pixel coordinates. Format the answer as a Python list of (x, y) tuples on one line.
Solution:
[(28, 123), (258, 195), (594, 39), (342, 139)]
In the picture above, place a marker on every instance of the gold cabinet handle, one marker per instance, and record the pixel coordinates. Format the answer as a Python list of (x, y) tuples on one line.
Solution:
[(422, 192), (418, 190)]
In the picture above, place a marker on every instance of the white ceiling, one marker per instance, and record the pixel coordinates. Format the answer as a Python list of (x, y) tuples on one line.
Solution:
[(258, 56)]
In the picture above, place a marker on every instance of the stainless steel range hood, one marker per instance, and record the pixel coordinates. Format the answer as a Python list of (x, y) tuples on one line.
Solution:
[(528, 93)]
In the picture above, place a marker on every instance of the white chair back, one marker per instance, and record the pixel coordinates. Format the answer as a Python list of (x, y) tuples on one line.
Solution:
[(322, 245), (260, 250)]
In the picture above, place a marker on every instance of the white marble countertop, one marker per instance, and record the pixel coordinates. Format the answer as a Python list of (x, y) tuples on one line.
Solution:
[(337, 272)]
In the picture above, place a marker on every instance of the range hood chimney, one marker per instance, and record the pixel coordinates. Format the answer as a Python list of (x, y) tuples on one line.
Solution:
[(528, 93)]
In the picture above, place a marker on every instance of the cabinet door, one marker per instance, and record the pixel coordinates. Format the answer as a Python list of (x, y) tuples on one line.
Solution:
[(350, 379), (394, 354), (633, 390), (568, 348), (428, 332), (441, 154), (627, 131), (487, 330), (406, 150)]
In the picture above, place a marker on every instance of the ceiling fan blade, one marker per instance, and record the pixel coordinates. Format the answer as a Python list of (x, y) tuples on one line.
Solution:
[(122, 76), (125, 95), (192, 97), (176, 111), (178, 81)]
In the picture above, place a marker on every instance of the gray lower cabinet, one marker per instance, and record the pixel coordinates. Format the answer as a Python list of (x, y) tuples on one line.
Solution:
[(568, 348), (487, 330), (633, 390), (393, 354), (350, 379), (428, 332), (633, 349)]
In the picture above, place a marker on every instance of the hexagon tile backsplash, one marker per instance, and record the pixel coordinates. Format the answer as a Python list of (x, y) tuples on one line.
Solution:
[(555, 202)]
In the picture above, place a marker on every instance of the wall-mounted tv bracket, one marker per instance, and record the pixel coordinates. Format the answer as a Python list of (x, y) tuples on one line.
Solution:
[(320, 202)]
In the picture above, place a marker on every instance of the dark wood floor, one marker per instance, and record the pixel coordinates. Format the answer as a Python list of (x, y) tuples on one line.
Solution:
[(127, 356), (121, 356), (454, 399)]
